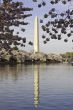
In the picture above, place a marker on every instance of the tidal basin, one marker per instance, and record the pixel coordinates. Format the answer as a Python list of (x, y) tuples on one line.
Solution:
[(36, 87)]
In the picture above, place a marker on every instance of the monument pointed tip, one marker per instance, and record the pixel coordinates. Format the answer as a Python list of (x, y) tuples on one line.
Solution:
[(36, 17)]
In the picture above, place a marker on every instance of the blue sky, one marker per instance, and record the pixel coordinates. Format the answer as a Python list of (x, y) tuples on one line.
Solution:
[(54, 46)]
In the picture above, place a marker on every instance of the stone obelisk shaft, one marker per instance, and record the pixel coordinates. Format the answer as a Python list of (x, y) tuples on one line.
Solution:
[(36, 35)]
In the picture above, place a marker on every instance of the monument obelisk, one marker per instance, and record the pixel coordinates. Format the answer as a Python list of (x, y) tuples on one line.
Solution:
[(36, 35)]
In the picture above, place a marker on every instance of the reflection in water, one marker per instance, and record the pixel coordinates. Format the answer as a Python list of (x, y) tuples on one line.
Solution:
[(9, 71), (17, 71), (36, 85), (16, 87), (14, 71)]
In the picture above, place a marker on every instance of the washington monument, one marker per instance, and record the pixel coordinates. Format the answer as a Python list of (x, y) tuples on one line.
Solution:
[(36, 35)]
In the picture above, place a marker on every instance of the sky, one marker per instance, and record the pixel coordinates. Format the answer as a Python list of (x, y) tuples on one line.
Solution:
[(54, 46)]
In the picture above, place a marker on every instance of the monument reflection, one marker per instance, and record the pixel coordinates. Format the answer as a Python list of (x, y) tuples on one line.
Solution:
[(36, 85), (16, 71)]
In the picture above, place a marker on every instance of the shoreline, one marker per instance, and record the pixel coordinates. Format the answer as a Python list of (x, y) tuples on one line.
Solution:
[(23, 57)]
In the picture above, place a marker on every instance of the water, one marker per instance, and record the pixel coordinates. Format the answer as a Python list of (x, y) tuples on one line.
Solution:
[(36, 87)]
